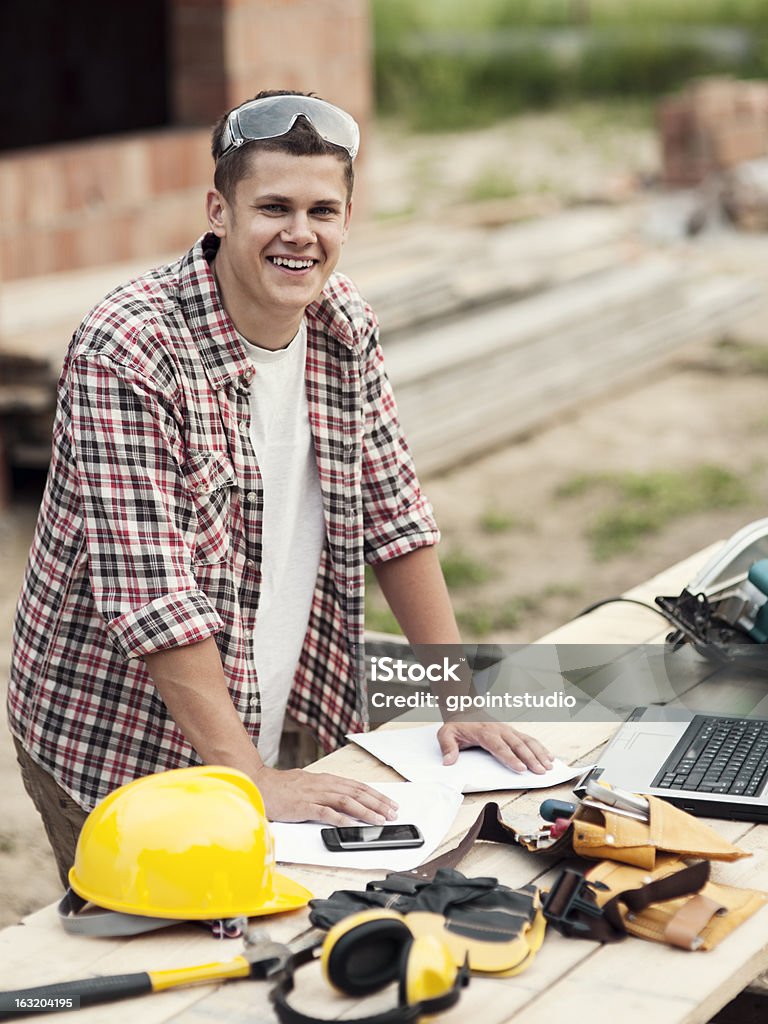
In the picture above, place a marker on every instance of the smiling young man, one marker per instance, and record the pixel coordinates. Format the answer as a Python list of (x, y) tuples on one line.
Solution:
[(226, 459)]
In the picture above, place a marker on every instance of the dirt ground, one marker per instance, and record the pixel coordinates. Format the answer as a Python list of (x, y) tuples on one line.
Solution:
[(507, 515), (516, 523)]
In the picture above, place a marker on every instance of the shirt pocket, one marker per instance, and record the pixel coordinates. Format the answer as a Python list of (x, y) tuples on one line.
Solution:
[(210, 479)]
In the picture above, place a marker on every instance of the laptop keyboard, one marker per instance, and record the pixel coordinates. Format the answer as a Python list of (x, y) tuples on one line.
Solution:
[(719, 755)]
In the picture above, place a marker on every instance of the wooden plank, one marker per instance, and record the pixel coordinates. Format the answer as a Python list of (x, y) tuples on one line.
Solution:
[(648, 981), (454, 382)]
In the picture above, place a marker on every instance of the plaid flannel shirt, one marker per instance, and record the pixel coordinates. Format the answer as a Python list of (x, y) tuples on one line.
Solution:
[(149, 533)]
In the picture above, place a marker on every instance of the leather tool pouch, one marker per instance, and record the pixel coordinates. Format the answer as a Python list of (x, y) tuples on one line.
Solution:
[(638, 902), (602, 834)]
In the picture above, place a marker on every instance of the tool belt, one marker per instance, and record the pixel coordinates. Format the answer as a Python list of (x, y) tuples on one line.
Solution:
[(641, 885), (675, 904), (599, 834)]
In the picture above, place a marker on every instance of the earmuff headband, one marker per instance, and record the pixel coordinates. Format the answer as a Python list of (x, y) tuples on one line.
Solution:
[(404, 1013)]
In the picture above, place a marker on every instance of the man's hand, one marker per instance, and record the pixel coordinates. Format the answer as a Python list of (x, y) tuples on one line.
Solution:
[(514, 749), (296, 795), (192, 684)]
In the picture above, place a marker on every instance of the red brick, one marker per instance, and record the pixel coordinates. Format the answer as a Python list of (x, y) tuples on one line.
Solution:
[(75, 204), (178, 160), (34, 251), (199, 99), (102, 173), (197, 43), (11, 192), (734, 143), (714, 123)]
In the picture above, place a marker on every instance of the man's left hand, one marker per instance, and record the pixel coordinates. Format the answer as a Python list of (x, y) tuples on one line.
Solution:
[(514, 749)]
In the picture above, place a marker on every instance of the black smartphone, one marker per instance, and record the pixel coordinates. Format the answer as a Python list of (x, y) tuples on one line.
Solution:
[(371, 837)]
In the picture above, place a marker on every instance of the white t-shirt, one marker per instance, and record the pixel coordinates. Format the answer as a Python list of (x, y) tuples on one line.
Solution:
[(293, 528)]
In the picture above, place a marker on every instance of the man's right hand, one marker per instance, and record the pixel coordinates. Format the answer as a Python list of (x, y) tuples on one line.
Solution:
[(296, 795), (191, 682)]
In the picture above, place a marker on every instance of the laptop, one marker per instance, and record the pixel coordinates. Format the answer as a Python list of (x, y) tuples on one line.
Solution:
[(712, 766)]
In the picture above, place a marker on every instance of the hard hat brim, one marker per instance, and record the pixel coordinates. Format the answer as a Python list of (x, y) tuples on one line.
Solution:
[(286, 895)]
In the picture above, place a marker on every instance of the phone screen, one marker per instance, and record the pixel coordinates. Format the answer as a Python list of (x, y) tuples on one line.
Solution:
[(372, 837)]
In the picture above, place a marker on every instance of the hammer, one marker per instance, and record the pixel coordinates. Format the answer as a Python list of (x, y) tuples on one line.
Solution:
[(261, 959)]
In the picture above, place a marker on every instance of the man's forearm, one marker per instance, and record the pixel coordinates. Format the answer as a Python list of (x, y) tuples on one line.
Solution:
[(191, 681), (415, 590), (192, 684)]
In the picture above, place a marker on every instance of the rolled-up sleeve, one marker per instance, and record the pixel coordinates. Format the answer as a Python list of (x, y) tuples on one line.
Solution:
[(398, 517), (139, 519)]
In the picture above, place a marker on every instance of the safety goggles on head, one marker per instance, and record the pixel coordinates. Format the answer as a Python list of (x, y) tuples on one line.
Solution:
[(273, 116)]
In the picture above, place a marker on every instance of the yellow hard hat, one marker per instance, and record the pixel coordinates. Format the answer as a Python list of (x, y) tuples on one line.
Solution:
[(188, 843)]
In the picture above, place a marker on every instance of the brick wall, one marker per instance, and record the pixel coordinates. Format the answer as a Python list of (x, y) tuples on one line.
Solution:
[(300, 44), (713, 124), (84, 204), (104, 200)]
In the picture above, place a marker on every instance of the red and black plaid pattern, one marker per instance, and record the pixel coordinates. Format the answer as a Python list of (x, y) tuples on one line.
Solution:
[(149, 533)]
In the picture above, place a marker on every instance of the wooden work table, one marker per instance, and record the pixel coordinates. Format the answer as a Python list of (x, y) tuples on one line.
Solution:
[(631, 981)]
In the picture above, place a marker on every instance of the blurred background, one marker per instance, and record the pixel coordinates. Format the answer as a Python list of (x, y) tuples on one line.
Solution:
[(561, 215)]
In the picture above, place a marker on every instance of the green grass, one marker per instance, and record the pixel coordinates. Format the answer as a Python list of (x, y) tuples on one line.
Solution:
[(392, 17), (492, 184), (445, 64), (596, 118), (400, 213), (476, 622), (8, 844), (641, 504), (743, 356), (381, 620), (481, 620), (566, 590), (463, 570), (495, 520)]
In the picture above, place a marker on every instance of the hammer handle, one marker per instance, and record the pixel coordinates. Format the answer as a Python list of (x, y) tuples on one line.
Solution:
[(84, 992)]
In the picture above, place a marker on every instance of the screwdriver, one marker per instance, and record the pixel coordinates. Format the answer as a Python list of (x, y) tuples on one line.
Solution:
[(551, 810)]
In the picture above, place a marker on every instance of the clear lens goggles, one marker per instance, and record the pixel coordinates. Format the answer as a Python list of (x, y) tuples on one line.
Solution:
[(273, 116)]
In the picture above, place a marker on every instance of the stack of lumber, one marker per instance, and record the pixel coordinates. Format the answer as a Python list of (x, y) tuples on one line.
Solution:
[(490, 375), (487, 331)]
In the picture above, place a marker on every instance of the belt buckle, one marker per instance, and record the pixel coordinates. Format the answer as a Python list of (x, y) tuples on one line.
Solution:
[(570, 894)]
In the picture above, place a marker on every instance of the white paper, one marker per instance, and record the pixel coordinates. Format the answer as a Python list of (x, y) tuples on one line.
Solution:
[(415, 753), (431, 806)]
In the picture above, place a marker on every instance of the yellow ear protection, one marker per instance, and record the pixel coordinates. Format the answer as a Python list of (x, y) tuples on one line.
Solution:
[(367, 951)]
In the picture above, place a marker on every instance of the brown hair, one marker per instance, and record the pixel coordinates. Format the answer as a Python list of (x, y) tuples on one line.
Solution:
[(301, 140)]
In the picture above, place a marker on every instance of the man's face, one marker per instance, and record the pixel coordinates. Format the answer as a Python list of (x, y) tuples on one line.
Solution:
[(281, 233)]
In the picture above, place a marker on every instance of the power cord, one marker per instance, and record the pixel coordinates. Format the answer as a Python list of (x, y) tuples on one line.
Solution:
[(617, 600)]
